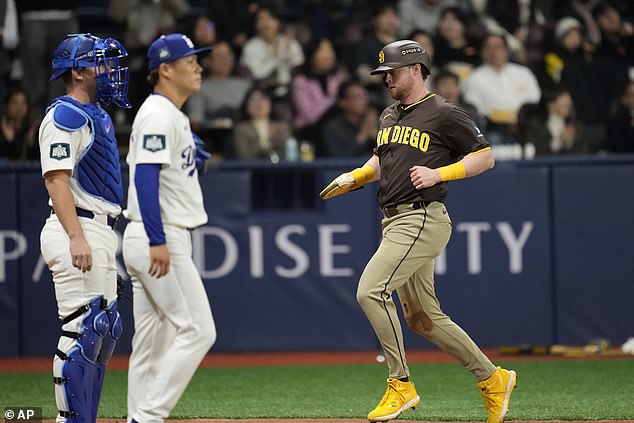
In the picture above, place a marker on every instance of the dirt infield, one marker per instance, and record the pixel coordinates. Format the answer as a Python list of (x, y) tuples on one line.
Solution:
[(26, 364)]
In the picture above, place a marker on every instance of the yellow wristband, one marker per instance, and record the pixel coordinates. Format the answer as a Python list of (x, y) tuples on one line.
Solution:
[(363, 175), (452, 172)]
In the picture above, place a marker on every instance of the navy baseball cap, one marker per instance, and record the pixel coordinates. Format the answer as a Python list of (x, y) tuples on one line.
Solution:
[(168, 48)]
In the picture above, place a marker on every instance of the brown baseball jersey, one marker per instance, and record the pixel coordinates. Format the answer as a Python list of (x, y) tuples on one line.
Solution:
[(431, 132)]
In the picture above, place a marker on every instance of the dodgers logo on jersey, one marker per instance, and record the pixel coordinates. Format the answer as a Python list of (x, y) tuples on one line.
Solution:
[(59, 151), (154, 142), (188, 160)]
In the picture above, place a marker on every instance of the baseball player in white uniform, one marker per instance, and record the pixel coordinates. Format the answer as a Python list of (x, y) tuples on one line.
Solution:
[(77, 241), (173, 323)]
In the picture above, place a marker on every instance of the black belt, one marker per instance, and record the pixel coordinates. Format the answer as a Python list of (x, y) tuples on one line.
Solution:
[(389, 212), (87, 213)]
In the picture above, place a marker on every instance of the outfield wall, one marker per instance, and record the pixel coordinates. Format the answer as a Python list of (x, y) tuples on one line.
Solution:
[(541, 253)]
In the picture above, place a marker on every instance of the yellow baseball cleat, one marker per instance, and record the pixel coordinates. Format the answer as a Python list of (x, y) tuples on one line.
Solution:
[(399, 397), (496, 392)]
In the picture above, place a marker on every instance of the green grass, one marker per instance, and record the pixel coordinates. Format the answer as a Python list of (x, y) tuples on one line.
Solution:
[(565, 390)]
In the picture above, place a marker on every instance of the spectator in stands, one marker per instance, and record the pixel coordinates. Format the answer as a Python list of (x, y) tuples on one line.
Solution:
[(352, 132), (259, 135), (202, 32), (620, 132), (17, 131), (315, 87), (421, 14), (594, 81), (498, 88), (454, 50), (219, 99), (582, 11), (9, 38), (234, 21), (43, 25), (617, 36), (383, 30), (143, 22), (569, 47), (426, 40), (447, 85), (270, 56), (509, 19), (549, 126)]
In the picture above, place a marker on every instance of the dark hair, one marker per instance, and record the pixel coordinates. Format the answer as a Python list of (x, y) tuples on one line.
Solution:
[(345, 86), (12, 92), (152, 78), (457, 12), (600, 8), (549, 94), (244, 107), (67, 77), (491, 35), (379, 7), (416, 32), (445, 74), (26, 123), (310, 50)]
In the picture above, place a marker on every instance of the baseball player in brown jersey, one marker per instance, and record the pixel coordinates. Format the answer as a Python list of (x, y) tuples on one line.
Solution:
[(423, 141)]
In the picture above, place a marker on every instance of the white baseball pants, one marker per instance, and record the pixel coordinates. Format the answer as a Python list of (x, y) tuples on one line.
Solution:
[(73, 288), (173, 324)]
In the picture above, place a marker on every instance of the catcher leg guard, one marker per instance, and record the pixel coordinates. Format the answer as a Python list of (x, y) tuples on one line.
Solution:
[(74, 370), (107, 348)]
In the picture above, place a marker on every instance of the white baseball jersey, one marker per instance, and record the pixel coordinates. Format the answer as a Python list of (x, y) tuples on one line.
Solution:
[(161, 135), (61, 150)]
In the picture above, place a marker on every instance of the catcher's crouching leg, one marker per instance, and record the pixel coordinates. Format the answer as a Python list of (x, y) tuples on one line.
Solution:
[(74, 368), (107, 349)]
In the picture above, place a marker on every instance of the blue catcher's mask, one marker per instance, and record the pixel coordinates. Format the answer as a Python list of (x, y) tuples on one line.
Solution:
[(88, 51)]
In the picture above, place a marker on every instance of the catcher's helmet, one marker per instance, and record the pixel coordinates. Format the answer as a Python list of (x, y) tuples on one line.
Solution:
[(88, 51), (402, 53)]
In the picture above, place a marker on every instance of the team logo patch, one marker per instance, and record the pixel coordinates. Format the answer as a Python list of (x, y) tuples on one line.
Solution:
[(60, 151), (381, 56), (154, 142), (164, 53)]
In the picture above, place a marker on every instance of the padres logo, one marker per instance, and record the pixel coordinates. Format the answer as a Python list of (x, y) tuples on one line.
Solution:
[(381, 56)]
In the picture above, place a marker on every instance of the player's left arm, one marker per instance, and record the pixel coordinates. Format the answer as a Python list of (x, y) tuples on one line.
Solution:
[(471, 165)]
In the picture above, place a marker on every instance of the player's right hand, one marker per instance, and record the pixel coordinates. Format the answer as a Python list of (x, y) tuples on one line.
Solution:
[(80, 253), (342, 184), (159, 261)]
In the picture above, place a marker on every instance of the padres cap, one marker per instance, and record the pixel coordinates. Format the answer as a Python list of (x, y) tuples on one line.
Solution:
[(168, 48), (402, 53)]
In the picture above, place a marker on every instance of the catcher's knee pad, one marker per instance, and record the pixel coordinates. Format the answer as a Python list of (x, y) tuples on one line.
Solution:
[(114, 333), (107, 348), (74, 369)]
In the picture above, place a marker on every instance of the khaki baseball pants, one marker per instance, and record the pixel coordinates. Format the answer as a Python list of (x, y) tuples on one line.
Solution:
[(404, 262)]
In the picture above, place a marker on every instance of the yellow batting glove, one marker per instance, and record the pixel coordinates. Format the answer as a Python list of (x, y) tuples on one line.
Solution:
[(348, 181)]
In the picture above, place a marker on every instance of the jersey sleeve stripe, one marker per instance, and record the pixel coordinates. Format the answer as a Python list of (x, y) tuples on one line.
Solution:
[(479, 151)]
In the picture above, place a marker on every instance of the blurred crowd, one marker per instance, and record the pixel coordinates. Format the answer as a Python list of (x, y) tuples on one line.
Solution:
[(289, 79)]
